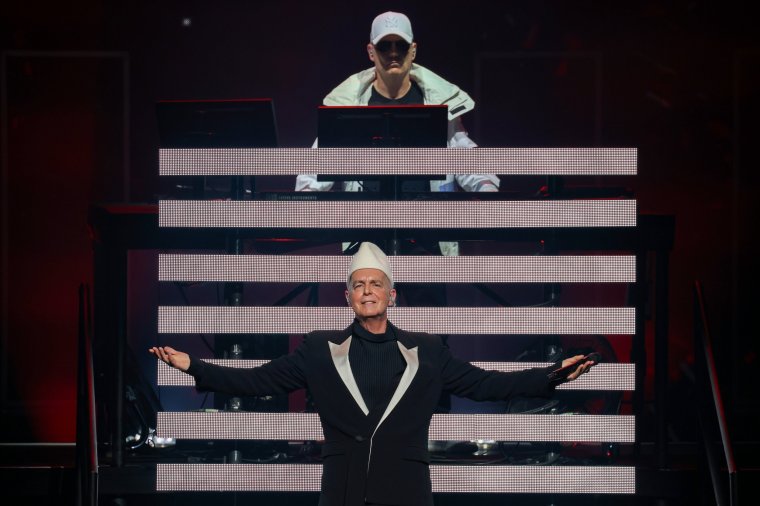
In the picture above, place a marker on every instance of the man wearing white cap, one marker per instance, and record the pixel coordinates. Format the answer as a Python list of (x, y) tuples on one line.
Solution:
[(394, 79), (375, 388)]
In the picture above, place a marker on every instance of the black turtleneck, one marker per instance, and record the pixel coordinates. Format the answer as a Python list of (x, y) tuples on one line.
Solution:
[(377, 364)]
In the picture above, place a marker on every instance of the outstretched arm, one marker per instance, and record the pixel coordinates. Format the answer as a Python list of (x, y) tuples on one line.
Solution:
[(279, 376), (466, 380), (177, 359)]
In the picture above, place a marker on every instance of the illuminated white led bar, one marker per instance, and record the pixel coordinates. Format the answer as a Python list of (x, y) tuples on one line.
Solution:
[(356, 161), (450, 479), (456, 427), (397, 214), (615, 377), (412, 269), (436, 320), (534, 479)]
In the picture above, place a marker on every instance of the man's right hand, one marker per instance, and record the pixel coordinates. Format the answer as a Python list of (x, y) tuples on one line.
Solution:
[(174, 358)]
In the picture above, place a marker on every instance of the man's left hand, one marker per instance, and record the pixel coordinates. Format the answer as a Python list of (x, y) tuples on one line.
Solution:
[(580, 369)]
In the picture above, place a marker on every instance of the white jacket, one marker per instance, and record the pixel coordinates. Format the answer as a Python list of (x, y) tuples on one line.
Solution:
[(357, 89)]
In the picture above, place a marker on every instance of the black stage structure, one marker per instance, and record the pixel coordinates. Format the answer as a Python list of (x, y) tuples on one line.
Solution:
[(199, 230)]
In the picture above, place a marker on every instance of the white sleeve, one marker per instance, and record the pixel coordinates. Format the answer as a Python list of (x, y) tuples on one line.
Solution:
[(308, 182), (470, 182)]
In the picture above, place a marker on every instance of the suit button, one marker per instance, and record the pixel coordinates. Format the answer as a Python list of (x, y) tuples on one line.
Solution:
[(359, 438)]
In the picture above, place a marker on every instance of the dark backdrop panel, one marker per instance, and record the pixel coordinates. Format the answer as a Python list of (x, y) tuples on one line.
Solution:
[(746, 208), (64, 127), (539, 99)]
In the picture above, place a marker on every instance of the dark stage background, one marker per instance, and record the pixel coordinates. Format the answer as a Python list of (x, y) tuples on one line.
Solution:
[(678, 80)]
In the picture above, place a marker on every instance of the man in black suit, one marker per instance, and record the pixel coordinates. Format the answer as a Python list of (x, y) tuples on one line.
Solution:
[(375, 387)]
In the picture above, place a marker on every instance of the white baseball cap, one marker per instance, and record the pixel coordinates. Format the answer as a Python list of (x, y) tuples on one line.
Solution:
[(391, 23), (369, 256)]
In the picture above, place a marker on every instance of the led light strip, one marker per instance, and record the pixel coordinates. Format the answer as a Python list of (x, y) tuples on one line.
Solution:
[(615, 377), (451, 479), (411, 269), (443, 320), (356, 161), (534, 479), (400, 214), (457, 427)]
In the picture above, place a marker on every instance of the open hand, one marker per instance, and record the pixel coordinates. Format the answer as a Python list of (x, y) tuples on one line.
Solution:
[(174, 358), (580, 369)]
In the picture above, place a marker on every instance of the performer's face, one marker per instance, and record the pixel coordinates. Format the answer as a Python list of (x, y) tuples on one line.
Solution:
[(392, 55), (369, 293)]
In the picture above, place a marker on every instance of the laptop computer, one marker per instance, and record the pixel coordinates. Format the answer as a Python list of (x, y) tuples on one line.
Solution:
[(410, 126)]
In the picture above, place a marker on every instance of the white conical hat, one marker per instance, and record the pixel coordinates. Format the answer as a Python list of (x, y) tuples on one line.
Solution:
[(370, 256)]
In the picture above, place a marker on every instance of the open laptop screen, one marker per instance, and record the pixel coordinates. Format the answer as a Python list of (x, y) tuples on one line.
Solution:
[(410, 126)]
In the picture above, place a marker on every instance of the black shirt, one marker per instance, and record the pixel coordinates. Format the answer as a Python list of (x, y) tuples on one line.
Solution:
[(377, 364), (413, 97)]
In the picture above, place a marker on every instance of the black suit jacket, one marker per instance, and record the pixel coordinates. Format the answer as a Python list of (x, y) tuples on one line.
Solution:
[(377, 456)]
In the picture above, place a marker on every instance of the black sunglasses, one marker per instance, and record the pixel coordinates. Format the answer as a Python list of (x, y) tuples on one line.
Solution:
[(385, 46)]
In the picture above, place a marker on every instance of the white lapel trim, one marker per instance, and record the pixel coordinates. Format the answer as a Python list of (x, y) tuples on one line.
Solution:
[(412, 365), (339, 354)]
